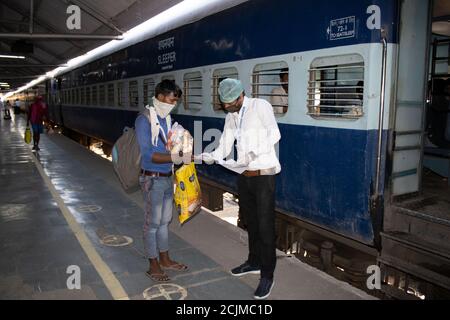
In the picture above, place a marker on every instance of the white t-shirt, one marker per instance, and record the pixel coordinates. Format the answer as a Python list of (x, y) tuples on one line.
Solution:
[(279, 100), (256, 131)]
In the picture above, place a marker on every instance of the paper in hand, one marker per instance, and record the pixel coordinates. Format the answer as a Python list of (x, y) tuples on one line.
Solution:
[(233, 166), (230, 164)]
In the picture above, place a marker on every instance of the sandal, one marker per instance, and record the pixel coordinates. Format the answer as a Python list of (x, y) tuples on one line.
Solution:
[(176, 266), (158, 277)]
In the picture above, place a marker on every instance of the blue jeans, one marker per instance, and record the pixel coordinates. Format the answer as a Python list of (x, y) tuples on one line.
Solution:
[(158, 205)]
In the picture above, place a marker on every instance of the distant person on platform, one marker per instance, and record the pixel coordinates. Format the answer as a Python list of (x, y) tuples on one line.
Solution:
[(17, 106), (7, 107), (37, 114)]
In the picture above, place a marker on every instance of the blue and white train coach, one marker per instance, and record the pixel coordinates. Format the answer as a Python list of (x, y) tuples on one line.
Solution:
[(356, 76)]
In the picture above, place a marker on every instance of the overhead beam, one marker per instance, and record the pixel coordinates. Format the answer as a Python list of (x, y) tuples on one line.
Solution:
[(27, 70), (31, 15), (54, 36), (47, 51), (30, 57), (37, 21), (19, 77), (24, 71), (10, 21), (31, 65)]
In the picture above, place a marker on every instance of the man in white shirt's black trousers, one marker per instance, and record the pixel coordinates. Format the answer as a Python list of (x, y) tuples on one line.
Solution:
[(251, 123)]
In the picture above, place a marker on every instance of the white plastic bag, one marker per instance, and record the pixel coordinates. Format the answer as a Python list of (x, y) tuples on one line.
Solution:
[(180, 140)]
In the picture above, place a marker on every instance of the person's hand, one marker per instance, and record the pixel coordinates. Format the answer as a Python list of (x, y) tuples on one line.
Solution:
[(245, 159), (206, 157), (187, 158), (242, 161)]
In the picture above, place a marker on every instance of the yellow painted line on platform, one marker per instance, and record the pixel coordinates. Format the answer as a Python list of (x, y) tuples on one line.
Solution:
[(110, 280)]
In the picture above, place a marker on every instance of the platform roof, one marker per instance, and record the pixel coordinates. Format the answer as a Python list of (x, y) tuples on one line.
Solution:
[(49, 19)]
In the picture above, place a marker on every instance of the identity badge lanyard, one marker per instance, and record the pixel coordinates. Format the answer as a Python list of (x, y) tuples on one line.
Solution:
[(241, 116)]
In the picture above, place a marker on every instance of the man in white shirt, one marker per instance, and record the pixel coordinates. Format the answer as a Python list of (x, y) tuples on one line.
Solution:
[(279, 98), (17, 106), (251, 122)]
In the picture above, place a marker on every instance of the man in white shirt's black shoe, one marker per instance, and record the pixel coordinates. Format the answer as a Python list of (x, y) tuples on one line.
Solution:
[(251, 123)]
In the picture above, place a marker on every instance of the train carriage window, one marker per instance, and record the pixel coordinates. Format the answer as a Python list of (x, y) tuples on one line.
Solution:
[(168, 77), (133, 93), (120, 94), (101, 95), (77, 96), (71, 96), (82, 97), (192, 87), (336, 87), (94, 95), (149, 91), (88, 96), (270, 82), (111, 94), (219, 75)]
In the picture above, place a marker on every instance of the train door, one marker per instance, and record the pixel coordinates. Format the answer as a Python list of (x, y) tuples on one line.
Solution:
[(437, 143), (407, 151), (415, 250)]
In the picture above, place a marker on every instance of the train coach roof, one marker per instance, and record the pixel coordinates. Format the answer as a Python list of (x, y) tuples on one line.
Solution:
[(103, 18)]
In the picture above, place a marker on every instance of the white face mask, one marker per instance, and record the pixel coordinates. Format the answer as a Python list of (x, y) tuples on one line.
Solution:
[(162, 109)]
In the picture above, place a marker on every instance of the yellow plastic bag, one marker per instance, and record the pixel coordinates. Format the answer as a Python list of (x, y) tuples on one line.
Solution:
[(188, 197), (27, 136)]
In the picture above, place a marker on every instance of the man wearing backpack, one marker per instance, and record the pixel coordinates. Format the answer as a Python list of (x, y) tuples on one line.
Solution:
[(156, 179)]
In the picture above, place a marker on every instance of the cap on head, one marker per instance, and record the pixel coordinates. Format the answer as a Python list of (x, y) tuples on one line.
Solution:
[(230, 90)]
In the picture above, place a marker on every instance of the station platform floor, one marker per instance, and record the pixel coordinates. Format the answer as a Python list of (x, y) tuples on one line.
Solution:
[(62, 206)]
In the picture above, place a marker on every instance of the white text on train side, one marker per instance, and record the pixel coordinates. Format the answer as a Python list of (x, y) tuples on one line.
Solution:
[(166, 43)]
